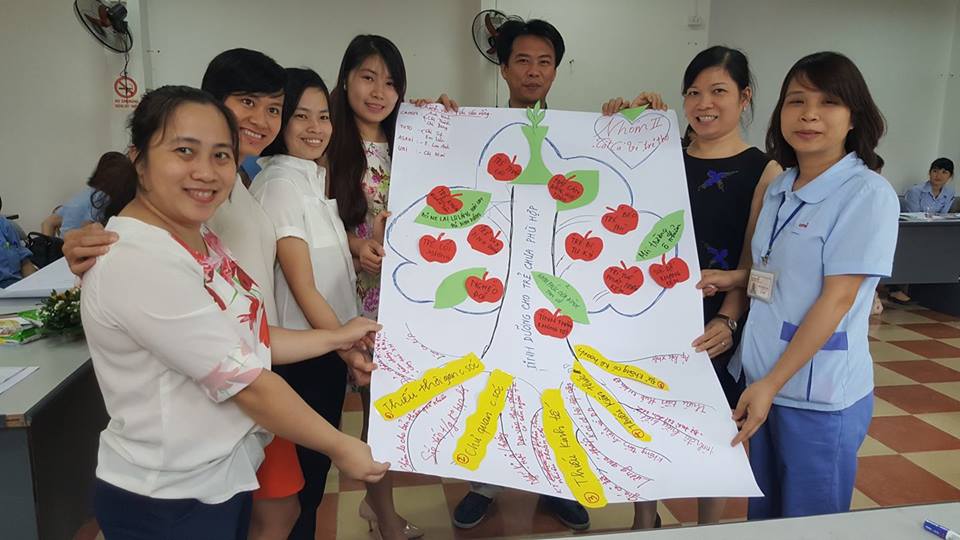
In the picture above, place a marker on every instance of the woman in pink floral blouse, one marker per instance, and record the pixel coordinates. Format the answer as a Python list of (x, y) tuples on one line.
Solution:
[(181, 345)]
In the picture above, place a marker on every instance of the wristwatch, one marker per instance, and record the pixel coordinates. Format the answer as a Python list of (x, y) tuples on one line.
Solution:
[(731, 322)]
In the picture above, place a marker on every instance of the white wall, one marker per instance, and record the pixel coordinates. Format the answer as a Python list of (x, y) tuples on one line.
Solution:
[(617, 48), (902, 48), (950, 133), (643, 47), (57, 81), (432, 34), (56, 107)]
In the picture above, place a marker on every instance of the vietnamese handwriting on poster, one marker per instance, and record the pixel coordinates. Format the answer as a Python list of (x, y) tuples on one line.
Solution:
[(538, 303)]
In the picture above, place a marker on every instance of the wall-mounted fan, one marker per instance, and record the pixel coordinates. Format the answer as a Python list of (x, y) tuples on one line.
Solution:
[(485, 27), (106, 22)]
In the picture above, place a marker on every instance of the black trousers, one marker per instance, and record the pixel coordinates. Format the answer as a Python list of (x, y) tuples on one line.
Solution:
[(123, 515), (321, 382)]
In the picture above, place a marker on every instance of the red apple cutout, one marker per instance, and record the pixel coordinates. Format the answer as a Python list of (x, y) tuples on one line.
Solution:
[(443, 201), (483, 289), (501, 167), (583, 247), (670, 272), (482, 239), (565, 189), (437, 249), (620, 221), (552, 324), (623, 280)]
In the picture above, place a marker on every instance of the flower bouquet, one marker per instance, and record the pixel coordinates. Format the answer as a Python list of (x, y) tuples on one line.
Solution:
[(59, 313)]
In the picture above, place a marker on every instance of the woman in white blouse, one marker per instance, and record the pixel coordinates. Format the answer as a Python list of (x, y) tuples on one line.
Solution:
[(315, 281), (180, 344)]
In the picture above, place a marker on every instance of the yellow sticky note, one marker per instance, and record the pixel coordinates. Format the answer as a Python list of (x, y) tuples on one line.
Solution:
[(434, 382), (589, 354), (482, 424), (588, 384), (571, 458)]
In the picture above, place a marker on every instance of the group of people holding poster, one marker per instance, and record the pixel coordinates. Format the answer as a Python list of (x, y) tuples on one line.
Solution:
[(224, 316)]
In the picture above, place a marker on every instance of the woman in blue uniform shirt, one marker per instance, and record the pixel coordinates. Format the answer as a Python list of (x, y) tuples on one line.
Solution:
[(15, 261), (826, 234), (933, 196)]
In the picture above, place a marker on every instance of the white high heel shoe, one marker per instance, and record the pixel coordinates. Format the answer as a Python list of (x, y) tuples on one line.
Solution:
[(410, 531)]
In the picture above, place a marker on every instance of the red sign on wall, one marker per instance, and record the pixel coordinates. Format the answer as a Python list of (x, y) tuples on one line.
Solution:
[(126, 90)]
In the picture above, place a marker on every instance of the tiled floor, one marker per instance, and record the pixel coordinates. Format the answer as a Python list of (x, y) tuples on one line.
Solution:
[(911, 455)]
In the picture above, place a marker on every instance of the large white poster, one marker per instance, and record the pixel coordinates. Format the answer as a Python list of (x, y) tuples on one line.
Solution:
[(538, 302)]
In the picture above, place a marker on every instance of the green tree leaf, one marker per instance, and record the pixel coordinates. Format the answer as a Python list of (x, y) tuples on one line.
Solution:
[(563, 296), (662, 237), (590, 180), (474, 205), (453, 289)]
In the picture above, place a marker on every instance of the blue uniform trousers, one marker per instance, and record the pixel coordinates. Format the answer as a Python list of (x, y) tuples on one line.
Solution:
[(805, 461)]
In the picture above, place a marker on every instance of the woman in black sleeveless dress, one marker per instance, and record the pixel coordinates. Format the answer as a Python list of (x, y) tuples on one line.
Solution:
[(721, 194), (726, 180)]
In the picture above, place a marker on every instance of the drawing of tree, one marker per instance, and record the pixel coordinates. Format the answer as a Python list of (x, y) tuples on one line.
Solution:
[(484, 225), (469, 248)]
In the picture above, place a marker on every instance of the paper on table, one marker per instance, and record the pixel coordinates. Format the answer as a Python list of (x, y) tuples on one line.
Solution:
[(55, 276), (10, 376), (538, 302), (924, 216), (10, 306)]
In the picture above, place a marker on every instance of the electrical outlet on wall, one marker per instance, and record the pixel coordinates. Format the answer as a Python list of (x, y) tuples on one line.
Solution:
[(694, 21)]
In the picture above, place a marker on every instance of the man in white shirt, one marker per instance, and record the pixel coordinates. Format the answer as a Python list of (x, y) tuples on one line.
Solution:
[(529, 52)]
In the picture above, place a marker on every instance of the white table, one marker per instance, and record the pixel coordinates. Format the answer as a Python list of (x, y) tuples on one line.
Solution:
[(898, 523)]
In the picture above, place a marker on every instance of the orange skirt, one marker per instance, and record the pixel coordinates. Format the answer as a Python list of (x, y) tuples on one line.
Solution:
[(279, 475)]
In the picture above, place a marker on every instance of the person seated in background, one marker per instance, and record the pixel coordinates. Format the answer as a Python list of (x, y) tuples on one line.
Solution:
[(86, 206), (931, 197), (52, 224), (934, 196), (14, 256)]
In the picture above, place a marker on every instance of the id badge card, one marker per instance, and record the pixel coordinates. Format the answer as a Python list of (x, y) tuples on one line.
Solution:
[(760, 285)]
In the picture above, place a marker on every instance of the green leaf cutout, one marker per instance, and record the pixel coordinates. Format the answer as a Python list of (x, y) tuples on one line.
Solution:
[(634, 113), (662, 237), (535, 172), (563, 296), (535, 115), (590, 180), (453, 289), (474, 205)]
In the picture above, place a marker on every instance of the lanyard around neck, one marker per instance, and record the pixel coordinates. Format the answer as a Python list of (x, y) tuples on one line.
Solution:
[(776, 232)]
